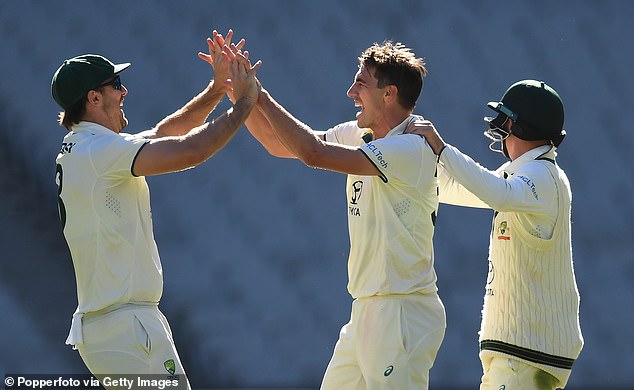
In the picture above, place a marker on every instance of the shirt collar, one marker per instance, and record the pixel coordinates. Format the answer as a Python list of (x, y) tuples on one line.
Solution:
[(400, 128), (548, 152), (91, 127)]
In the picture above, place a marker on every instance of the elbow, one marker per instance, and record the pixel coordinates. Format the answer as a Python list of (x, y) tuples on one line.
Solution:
[(280, 151), (193, 154)]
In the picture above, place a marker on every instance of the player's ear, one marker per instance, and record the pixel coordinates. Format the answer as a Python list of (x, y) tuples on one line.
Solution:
[(93, 97), (391, 92)]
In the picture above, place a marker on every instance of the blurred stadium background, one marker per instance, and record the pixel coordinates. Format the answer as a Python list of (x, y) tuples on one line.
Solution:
[(254, 249)]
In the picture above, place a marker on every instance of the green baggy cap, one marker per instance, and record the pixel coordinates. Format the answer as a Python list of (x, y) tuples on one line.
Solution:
[(78, 75)]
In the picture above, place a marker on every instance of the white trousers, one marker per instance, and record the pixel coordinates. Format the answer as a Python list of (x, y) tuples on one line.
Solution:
[(390, 343), (502, 373), (134, 341)]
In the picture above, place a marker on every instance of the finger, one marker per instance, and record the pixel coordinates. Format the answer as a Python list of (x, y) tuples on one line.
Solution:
[(228, 52), (240, 65), (215, 47), (246, 54), (229, 37), (205, 57), (239, 68), (241, 44), (210, 45), (255, 67), (220, 41), (240, 57), (226, 56), (218, 38)]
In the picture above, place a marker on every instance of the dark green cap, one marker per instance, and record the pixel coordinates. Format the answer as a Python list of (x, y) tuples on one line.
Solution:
[(536, 108), (78, 75)]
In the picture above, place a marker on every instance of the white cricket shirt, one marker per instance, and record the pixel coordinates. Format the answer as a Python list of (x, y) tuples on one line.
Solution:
[(531, 303), (391, 217), (107, 221)]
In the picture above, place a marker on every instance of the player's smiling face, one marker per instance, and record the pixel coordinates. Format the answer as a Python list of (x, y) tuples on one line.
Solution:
[(367, 95)]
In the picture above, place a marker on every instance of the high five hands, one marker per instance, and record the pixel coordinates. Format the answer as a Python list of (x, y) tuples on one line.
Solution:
[(232, 66)]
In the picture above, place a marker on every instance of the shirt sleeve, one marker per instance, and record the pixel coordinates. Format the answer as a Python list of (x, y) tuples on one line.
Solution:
[(454, 193), (347, 133), (400, 157), (114, 155), (528, 190)]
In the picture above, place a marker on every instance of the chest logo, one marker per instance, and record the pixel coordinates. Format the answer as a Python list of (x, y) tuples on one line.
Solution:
[(357, 186)]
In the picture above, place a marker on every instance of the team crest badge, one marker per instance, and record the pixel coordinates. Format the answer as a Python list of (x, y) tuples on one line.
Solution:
[(504, 231), (170, 366)]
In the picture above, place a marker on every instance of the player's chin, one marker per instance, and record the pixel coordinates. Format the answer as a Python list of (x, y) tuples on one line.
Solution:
[(361, 122), (124, 121)]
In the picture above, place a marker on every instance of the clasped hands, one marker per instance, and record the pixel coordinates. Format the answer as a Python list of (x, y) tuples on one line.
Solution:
[(232, 68)]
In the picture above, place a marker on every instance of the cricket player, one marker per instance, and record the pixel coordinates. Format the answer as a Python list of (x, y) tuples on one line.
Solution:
[(104, 203), (530, 334), (398, 321)]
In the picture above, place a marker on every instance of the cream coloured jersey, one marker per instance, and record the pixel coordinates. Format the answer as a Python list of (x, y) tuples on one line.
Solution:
[(391, 217), (105, 212), (531, 303)]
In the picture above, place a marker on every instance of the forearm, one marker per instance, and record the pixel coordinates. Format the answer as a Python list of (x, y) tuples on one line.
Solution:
[(214, 135), (192, 114), (259, 126), (296, 137), (479, 181), (452, 192), (176, 153)]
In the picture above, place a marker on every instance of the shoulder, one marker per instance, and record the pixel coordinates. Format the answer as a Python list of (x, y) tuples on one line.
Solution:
[(536, 168), (539, 175), (345, 127), (348, 133), (407, 144)]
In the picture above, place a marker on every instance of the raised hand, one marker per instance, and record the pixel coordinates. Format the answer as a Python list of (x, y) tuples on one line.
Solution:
[(242, 74), (216, 58), (426, 129)]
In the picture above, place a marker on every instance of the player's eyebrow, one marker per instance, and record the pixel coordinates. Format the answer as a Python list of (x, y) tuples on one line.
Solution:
[(361, 79)]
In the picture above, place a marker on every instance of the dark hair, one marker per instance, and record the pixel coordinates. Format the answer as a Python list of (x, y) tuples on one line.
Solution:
[(75, 113), (395, 64)]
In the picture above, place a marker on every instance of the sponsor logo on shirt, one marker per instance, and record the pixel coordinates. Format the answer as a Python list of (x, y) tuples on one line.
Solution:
[(530, 184), (357, 188), (377, 153)]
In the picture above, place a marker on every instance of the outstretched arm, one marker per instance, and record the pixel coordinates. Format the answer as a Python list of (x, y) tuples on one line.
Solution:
[(195, 112), (175, 153), (301, 141), (259, 126), (261, 129)]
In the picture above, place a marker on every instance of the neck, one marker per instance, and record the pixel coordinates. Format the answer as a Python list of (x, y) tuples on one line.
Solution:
[(520, 147), (390, 121), (100, 120)]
